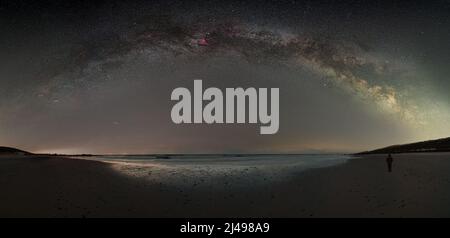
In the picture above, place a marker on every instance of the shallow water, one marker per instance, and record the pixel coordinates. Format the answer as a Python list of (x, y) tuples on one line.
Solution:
[(227, 161), (208, 169)]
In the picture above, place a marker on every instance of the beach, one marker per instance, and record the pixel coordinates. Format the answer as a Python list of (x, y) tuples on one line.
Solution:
[(362, 186)]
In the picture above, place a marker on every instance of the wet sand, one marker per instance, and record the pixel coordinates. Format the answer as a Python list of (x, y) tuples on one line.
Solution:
[(418, 186)]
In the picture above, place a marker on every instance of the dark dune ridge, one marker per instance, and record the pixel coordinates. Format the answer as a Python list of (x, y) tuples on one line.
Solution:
[(10, 150), (439, 145)]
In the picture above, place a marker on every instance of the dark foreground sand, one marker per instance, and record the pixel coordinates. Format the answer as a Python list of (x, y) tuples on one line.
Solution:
[(419, 186)]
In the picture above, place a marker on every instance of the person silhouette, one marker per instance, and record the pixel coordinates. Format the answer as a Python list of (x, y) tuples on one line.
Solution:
[(389, 161)]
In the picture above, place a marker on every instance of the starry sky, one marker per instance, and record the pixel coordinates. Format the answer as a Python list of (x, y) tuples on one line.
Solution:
[(96, 76)]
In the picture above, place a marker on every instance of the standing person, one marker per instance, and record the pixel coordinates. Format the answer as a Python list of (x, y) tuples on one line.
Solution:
[(389, 161)]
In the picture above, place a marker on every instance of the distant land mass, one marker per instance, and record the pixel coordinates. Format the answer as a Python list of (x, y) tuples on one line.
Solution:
[(9, 150), (439, 145)]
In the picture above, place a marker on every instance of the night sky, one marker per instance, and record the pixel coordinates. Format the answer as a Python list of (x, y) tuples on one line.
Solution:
[(96, 77)]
